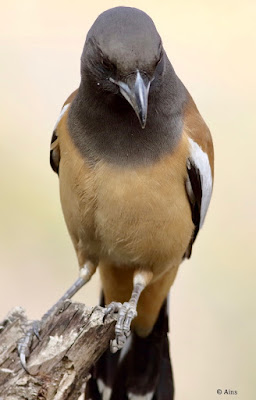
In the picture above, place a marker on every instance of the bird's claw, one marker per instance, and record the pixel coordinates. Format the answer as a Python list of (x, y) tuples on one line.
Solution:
[(112, 308), (36, 327), (25, 343), (126, 313)]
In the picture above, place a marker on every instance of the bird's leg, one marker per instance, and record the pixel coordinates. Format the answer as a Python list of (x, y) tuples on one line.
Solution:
[(128, 310), (25, 342)]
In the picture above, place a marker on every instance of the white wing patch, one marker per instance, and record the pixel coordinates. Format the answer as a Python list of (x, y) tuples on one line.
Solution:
[(104, 390), (64, 109), (201, 161), (148, 396)]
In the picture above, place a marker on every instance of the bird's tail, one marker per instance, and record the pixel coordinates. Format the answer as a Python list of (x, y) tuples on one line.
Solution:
[(140, 371)]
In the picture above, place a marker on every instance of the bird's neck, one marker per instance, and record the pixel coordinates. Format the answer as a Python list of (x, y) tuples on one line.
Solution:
[(105, 127)]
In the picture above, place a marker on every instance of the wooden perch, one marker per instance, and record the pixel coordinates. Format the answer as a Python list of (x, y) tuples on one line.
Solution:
[(72, 339)]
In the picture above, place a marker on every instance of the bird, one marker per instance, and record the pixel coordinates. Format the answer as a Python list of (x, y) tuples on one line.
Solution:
[(135, 162)]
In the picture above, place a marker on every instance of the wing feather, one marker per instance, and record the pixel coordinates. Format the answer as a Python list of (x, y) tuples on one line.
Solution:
[(198, 186), (55, 148)]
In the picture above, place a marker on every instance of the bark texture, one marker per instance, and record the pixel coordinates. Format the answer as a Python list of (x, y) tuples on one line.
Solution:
[(72, 339)]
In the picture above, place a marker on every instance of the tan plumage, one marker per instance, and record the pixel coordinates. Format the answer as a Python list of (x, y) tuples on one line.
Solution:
[(132, 218)]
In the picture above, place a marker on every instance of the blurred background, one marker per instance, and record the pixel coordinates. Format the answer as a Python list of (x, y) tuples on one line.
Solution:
[(212, 47)]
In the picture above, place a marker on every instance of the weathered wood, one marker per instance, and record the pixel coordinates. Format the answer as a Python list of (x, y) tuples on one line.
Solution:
[(72, 339)]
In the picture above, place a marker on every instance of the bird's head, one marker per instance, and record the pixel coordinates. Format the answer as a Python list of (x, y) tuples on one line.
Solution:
[(123, 55)]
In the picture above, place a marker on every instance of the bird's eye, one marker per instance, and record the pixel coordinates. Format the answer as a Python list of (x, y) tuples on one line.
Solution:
[(159, 58), (105, 63), (108, 65), (159, 64)]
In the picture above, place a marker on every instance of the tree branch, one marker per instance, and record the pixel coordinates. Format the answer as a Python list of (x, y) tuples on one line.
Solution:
[(72, 339)]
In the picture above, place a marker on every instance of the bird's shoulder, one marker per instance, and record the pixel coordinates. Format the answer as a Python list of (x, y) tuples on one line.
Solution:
[(55, 140), (200, 166), (197, 130)]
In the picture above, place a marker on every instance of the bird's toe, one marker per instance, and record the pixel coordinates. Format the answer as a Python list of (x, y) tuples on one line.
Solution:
[(25, 343), (127, 312)]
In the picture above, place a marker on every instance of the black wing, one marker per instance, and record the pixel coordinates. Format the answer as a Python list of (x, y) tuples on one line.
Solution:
[(194, 191), (55, 152), (199, 188)]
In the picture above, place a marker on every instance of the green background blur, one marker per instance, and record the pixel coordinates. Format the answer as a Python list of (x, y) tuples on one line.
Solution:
[(212, 47)]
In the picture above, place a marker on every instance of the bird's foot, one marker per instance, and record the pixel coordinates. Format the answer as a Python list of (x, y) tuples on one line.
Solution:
[(25, 342), (126, 313)]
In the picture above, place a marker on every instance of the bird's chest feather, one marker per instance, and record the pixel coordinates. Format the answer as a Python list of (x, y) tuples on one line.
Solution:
[(127, 215)]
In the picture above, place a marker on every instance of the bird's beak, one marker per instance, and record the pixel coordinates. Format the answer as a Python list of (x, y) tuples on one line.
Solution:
[(135, 90)]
